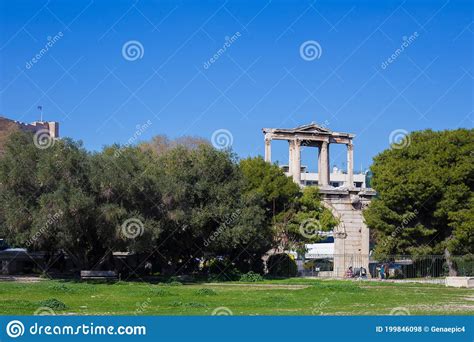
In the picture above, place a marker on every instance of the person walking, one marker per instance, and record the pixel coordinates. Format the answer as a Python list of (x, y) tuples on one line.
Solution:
[(382, 272)]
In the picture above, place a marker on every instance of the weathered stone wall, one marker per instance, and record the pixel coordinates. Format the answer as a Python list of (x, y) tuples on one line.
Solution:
[(8, 126), (351, 237)]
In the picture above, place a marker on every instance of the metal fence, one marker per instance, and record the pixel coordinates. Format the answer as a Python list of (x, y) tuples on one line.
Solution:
[(394, 266)]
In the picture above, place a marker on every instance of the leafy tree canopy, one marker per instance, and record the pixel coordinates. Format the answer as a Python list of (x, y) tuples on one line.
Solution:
[(425, 199)]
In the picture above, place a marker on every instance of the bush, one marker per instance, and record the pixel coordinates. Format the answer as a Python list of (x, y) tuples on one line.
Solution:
[(195, 305), (398, 274), (281, 265), (159, 292), (59, 287), (53, 303), (206, 292), (222, 270), (464, 265), (251, 277), (174, 283)]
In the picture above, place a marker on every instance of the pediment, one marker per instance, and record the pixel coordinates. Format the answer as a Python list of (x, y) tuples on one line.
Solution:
[(311, 128)]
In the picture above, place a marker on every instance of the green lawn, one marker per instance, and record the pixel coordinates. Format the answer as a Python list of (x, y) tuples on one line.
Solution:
[(279, 297)]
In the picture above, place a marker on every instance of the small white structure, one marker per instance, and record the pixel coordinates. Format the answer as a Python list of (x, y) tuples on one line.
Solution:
[(460, 282), (321, 250)]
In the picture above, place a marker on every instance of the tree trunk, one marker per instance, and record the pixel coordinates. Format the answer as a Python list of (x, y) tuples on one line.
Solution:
[(452, 270)]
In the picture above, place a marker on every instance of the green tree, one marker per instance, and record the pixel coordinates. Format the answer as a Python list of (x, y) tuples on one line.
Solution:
[(207, 214), (304, 222), (269, 182), (295, 216), (56, 210), (19, 188), (425, 195), (64, 199), (128, 198)]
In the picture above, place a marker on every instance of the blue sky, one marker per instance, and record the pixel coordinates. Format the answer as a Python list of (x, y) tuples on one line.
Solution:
[(261, 80)]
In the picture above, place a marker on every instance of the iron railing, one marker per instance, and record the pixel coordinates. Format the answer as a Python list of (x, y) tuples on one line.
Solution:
[(395, 266)]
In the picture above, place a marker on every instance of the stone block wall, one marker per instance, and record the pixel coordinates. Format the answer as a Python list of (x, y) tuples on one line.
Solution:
[(351, 237)]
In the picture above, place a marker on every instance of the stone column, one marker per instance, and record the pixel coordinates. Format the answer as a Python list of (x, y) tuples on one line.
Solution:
[(268, 150), (297, 162), (319, 165), (350, 165), (290, 156), (323, 164)]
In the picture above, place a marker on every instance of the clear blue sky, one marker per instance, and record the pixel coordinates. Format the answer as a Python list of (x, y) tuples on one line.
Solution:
[(84, 82)]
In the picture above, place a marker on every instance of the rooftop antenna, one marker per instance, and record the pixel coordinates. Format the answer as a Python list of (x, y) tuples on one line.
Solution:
[(40, 108)]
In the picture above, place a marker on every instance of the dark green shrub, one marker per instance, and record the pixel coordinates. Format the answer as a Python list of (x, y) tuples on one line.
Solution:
[(281, 265), (59, 287), (195, 305), (174, 283), (251, 277), (52, 303), (221, 270), (206, 292), (398, 274), (159, 292)]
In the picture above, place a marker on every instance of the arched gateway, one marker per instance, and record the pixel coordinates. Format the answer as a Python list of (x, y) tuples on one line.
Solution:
[(351, 237)]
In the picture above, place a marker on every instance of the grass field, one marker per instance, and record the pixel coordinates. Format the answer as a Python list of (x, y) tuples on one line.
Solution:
[(277, 297)]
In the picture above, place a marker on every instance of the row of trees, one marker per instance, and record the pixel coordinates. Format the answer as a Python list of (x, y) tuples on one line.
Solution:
[(425, 202), (180, 203)]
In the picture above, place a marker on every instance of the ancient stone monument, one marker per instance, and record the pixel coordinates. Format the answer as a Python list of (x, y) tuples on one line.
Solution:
[(351, 236)]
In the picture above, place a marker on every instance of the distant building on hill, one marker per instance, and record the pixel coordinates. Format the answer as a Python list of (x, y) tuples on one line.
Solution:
[(7, 126)]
